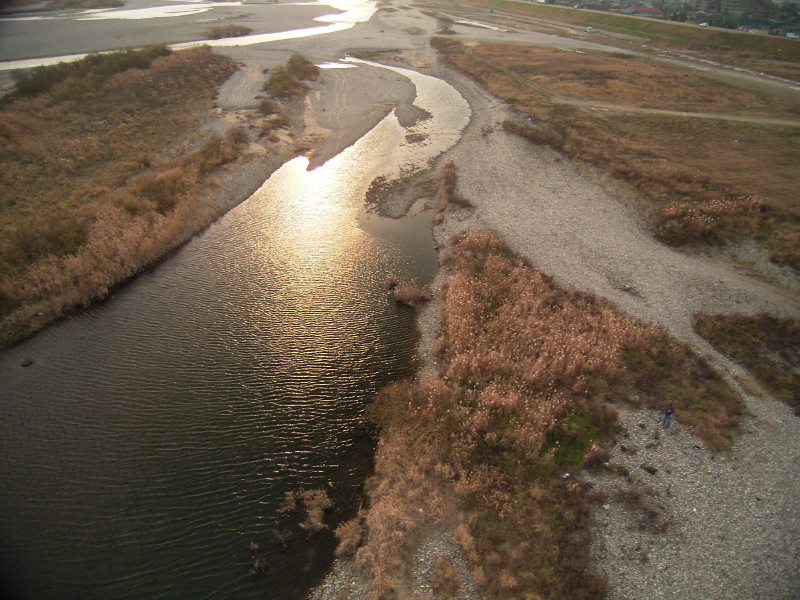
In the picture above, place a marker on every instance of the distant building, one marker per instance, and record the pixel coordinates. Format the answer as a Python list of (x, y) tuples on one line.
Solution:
[(642, 11), (758, 9)]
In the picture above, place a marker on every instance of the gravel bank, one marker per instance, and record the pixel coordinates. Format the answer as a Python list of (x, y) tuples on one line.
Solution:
[(731, 523)]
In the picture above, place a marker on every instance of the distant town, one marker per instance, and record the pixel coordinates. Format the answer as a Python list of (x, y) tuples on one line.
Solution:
[(769, 17)]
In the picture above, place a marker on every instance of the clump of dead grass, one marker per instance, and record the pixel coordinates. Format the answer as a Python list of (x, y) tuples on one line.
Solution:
[(313, 503), (527, 372), (445, 581), (287, 81), (446, 193), (226, 31), (410, 295)]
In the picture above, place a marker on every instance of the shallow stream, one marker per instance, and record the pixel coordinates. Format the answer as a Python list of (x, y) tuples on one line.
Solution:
[(153, 437)]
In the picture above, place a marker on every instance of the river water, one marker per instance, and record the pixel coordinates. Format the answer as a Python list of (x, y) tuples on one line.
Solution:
[(155, 434)]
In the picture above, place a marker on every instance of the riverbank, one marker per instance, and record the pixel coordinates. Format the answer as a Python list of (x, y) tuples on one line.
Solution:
[(568, 221), (572, 222)]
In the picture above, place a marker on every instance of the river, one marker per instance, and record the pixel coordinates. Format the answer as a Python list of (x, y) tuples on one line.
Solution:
[(154, 435)]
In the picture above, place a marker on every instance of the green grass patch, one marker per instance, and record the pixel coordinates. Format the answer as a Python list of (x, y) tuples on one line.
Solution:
[(768, 346)]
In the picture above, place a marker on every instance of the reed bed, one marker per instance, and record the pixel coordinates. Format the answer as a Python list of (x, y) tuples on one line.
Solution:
[(529, 374), (89, 199)]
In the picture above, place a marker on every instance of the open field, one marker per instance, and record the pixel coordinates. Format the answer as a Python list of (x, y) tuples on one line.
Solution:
[(761, 51), (707, 179)]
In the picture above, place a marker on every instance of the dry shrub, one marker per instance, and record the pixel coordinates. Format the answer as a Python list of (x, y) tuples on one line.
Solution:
[(350, 535), (410, 295), (722, 216), (446, 194), (316, 502), (445, 582), (301, 68), (274, 122), (267, 107), (226, 31), (286, 81)]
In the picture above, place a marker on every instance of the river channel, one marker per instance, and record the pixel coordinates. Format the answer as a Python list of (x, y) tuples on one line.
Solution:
[(154, 435)]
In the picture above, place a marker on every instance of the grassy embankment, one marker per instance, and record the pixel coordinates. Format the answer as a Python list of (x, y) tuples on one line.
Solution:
[(91, 196), (707, 181), (768, 346), (528, 375), (771, 54)]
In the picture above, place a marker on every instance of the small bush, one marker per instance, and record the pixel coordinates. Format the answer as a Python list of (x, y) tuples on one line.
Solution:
[(281, 84), (316, 502), (226, 31), (301, 68), (267, 107), (445, 581), (410, 295), (446, 194), (350, 535), (278, 121)]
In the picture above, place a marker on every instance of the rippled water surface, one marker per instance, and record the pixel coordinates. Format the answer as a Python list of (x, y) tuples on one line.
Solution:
[(153, 437)]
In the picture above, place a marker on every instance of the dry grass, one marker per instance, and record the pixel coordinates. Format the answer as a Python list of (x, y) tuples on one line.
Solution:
[(350, 535), (768, 346), (287, 81), (87, 201), (527, 373), (636, 81), (445, 582), (410, 295), (706, 42), (226, 31), (708, 181)]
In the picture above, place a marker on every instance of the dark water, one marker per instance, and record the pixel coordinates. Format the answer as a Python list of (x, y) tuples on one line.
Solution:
[(154, 436)]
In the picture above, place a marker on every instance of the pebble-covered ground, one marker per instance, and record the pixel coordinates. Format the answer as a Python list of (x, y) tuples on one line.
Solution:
[(686, 523)]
